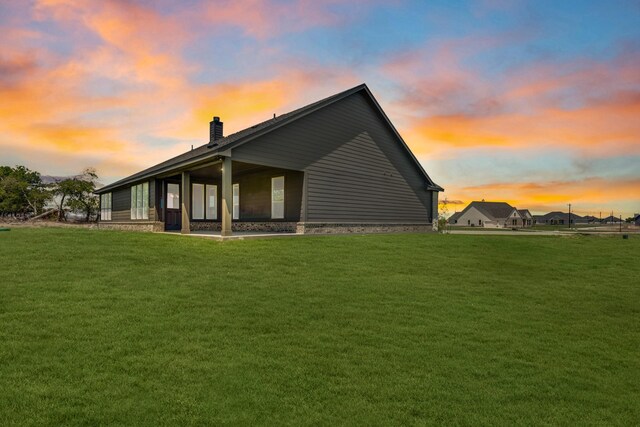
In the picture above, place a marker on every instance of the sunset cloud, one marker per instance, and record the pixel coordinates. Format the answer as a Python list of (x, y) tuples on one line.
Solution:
[(586, 195), (123, 84), (588, 105)]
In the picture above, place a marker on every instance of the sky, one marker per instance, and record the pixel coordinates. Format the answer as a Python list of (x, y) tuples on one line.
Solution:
[(534, 103)]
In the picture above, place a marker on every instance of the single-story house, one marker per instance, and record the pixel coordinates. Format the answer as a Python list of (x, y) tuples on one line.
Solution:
[(636, 219), (487, 214), (611, 220), (559, 218), (337, 165)]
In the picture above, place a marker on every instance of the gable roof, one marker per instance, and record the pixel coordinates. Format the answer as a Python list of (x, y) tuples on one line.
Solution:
[(218, 147), (454, 217), (492, 210), (524, 212)]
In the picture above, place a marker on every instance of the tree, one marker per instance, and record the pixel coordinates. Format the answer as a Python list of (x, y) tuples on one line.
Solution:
[(76, 193), (444, 211), (22, 191)]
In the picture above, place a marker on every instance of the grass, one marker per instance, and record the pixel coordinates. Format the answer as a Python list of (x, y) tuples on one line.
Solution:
[(101, 327)]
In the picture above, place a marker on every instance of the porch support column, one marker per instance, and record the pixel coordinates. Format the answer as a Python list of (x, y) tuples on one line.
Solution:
[(434, 210), (186, 203), (227, 197)]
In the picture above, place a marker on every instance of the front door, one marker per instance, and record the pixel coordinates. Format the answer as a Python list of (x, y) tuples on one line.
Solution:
[(173, 220)]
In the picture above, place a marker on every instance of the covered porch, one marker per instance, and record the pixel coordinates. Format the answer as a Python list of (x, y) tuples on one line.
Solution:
[(221, 197)]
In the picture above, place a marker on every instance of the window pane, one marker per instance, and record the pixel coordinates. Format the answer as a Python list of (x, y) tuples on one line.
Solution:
[(133, 202), (173, 196), (139, 201), (277, 197), (236, 201), (145, 200), (197, 197), (212, 202)]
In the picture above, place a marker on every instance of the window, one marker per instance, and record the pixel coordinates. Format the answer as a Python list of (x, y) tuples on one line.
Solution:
[(173, 196), (197, 201), (204, 201), (236, 201), (105, 207), (277, 197), (479, 222), (212, 201), (140, 201), (468, 222)]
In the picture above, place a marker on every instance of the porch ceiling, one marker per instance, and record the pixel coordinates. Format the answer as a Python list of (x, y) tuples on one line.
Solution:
[(216, 170)]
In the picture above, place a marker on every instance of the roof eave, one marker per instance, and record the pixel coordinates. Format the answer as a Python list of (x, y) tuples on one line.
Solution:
[(177, 167)]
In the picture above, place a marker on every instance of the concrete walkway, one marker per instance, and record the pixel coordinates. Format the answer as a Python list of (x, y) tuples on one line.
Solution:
[(237, 235), (544, 233), (509, 233)]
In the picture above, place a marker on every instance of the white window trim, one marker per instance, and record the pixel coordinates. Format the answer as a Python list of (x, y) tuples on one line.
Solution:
[(235, 210), (106, 201), (140, 201), (273, 202), (208, 187), (201, 215)]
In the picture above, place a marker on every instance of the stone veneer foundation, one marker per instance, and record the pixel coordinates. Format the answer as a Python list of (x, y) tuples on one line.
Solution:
[(338, 228), (283, 227), (149, 226)]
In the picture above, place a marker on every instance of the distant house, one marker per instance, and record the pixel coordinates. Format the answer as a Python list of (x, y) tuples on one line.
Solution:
[(336, 165), (559, 218), (487, 214), (590, 219), (611, 220), (636, 219)]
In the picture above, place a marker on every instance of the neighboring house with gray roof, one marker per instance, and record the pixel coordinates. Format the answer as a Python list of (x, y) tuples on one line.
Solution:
[(611, 220), (559, 218), (488, 215), (337, 165)]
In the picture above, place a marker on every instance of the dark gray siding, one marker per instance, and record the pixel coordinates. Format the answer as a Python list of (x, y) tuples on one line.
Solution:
[(356, 168), (121, 204), (255, 193)]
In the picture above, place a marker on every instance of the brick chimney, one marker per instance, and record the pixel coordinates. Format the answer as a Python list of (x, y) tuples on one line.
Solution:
[(215, 130)]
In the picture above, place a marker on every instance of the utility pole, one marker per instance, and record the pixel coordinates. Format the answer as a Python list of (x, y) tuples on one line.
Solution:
[(569, 216), (621, 223)]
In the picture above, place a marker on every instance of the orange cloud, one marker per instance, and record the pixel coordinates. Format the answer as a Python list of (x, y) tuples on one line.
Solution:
[(585, 195), (601, 129), (584, 105)]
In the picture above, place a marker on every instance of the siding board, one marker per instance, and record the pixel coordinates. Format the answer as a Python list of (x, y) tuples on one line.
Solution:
[(356, 168)]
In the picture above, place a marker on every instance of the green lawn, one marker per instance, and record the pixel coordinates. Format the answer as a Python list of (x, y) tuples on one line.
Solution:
[(102, 327)]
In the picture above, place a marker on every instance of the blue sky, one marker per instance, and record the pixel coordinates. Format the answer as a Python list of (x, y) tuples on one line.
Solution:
[(535, 103)]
